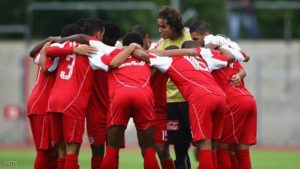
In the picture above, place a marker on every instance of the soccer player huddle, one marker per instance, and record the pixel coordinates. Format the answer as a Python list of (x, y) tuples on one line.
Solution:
[(185, 89)]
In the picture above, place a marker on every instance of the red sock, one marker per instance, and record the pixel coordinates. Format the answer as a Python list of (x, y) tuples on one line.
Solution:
[(214, 159), (110, 160), (205, 159), (96, 162), (71, 161), (42, 159), (60, 163), (234, 161), (150, 161), (167, 164), (223, 158), (243, 157)]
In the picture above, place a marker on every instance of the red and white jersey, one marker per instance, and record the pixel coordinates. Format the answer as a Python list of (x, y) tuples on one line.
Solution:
[(102, 50), (73, 84), (158, 83), (38, 99), (133, 73), (192, 74), (223, 76)]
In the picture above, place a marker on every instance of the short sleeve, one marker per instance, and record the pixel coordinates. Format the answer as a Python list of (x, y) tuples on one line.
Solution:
[(161, 63), (96, 60), (214, 59)]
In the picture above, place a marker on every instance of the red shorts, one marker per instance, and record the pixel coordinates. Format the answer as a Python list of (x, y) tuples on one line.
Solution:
[(96, 126), (160, 132), (131, 102), (40, 128), (206, 117), (66, 128), (240, 121)]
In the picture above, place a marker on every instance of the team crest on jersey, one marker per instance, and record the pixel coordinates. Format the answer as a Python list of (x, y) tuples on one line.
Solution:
[(173, 125)]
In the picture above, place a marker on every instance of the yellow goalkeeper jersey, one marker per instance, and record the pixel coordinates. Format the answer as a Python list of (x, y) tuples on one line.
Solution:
[(173, 94)]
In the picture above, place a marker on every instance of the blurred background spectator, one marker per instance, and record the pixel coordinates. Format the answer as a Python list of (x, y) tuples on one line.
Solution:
[(242, 12)]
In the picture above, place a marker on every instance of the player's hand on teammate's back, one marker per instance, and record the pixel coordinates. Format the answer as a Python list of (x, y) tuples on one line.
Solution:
[(235, 80), (85, 50)]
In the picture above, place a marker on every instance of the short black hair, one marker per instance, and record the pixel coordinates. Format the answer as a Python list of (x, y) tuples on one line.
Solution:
[(70, 29), (132, 37), (80, 22), (190, 44), (112, 33), (201, 27), (138, 29), (93, 25)]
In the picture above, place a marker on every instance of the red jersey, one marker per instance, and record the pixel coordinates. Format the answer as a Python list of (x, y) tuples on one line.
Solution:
[(192, 74), (38, 99), (99, 99), (73, 84), (158, 83), (223, 76), (133, 73)]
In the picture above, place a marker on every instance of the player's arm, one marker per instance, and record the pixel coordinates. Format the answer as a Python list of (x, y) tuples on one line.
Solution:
[(141, 55), (233, 54), (79, 38), (43, 57), (59, 50), (176, 52), (39, 46), (237, 78), (123, 55)]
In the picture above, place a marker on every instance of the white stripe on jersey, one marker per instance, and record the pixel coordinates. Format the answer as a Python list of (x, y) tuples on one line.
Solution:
[(41, 93), (37, 59), (130, 86), (81, 84), (198, 121)]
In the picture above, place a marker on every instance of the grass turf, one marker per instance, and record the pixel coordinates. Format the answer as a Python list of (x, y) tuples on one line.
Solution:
[(131, 159)]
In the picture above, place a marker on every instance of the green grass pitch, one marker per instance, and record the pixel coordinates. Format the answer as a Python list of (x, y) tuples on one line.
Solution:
[(131, 159)]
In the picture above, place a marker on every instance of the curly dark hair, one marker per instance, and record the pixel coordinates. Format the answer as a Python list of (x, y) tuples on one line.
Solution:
[(174, 19)]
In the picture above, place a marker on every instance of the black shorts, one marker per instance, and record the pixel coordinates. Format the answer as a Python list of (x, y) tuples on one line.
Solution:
[(178, 126)]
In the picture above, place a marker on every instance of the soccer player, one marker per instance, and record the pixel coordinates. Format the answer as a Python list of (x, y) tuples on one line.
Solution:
[(98, 104), (158, 83), (193, 78), (67, 111), (172, 31), (146, 39), (241, 116), (36, 111), (37, 102), (130, 96)]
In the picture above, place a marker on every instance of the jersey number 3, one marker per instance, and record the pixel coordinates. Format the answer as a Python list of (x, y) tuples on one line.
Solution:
[(67, 74)]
